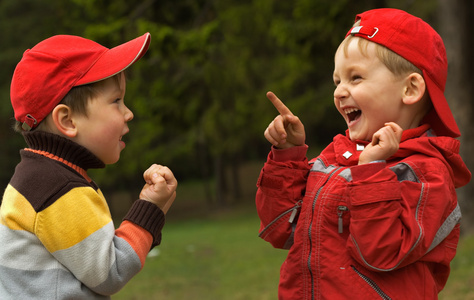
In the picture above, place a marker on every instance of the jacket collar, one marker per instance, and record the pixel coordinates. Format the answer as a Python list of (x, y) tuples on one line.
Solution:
[(347, 151)]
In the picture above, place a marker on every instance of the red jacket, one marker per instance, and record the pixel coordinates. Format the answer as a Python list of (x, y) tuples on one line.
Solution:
[(384, 230)]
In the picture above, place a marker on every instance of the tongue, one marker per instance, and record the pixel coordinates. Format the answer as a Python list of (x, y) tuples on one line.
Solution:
[(354, 115)]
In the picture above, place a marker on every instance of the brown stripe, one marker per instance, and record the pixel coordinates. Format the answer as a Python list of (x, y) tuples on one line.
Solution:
[(52, 156)]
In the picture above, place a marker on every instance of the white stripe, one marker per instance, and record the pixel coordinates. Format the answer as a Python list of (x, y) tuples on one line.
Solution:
[(90, 260), (448, 226), (23, 251)]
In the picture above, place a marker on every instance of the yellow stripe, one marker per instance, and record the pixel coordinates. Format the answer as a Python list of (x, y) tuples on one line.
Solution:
[(16, 212), (72, 218)]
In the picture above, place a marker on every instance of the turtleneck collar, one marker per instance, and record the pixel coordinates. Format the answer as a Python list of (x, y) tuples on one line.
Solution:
[(61, 149)]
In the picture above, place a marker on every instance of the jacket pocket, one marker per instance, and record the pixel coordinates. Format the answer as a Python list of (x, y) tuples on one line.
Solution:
[(283, 225)]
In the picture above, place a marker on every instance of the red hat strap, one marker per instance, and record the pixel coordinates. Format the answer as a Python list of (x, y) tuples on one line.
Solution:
[(29, 123), (364, 30)]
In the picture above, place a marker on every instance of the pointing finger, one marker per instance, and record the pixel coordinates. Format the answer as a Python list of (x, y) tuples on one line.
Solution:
[(282, 109)]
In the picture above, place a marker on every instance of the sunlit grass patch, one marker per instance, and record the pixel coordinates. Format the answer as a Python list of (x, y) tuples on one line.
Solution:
[(461, 281), (217, 257)]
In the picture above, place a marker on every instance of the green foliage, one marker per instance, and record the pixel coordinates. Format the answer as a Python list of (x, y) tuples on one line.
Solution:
[(459, 285), (198, 95)]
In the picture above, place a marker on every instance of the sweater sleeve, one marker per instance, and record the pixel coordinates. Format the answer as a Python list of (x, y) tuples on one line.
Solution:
[(78, 231), (148, 216)]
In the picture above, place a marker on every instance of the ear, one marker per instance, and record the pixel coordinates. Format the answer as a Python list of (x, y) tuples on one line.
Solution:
[(63, 120), (414, 89)]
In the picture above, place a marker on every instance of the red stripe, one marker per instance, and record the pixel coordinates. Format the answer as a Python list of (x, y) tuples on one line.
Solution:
[(57, 158), (139, 238)]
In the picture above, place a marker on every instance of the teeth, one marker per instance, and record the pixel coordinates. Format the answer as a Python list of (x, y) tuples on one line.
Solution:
[(350, 110)]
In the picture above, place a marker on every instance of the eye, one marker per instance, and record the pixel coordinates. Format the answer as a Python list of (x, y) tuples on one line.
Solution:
[(356, 78)]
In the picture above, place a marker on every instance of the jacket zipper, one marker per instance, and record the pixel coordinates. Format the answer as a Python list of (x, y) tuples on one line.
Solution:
[(340, 211), (311, 226), (293, 212), (372, 284)]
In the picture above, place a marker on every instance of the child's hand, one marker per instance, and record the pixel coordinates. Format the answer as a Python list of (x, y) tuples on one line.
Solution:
[(160, 187), (286, 130), (385, 143)]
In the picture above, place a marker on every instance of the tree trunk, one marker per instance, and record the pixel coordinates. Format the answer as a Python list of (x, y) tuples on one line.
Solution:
[(235, 176), (204, 163), (456, 27), (221, 180)]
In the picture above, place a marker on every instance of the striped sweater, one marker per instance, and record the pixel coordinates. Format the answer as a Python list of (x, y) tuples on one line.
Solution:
[(57, 237)]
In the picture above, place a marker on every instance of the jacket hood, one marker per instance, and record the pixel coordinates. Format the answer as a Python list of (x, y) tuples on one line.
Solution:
[(444, 148)]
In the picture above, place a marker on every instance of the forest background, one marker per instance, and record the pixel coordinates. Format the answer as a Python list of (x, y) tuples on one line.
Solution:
[(199, 93)]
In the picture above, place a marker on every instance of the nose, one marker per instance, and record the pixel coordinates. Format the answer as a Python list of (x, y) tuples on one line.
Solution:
[(341, 92), (128, 115)]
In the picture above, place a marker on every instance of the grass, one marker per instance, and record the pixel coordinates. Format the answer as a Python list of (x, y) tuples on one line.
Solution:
[(217, 257), (461, 281)]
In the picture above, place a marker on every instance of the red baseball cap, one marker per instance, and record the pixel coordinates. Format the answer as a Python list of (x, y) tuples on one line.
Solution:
[(49, 70), (416, 41)]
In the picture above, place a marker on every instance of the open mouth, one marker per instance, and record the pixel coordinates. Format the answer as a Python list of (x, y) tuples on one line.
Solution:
[(352, 114)]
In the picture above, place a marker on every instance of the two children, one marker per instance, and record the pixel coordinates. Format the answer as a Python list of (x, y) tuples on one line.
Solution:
[(57, 235), (375, 215)]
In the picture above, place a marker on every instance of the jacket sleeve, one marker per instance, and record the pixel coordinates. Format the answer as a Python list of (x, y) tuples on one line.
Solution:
[(281, 187), (402, 213), (78, 231)]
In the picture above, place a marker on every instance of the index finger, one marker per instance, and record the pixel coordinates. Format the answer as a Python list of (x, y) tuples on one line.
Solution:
[(396, 129), (282, 109)]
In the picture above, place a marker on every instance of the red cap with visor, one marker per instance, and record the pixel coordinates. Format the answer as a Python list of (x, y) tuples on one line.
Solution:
[(416, 41), (48, 71)]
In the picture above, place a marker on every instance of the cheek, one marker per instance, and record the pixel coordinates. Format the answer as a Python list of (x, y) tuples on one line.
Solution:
[(110, 124), (104, 133), (107, 131), (337, 104)]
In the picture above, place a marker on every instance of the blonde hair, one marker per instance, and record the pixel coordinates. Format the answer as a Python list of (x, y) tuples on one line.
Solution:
[(394, 62)]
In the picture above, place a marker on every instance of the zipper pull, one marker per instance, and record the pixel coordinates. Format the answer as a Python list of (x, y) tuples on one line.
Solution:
[(340, 210), (294, 211)]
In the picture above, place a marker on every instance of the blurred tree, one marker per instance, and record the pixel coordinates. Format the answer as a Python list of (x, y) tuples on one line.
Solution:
[(203, 108), (456, 29), (199, 93)]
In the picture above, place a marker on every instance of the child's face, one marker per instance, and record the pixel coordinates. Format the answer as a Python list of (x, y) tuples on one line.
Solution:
[(367, 93), (101, 131)]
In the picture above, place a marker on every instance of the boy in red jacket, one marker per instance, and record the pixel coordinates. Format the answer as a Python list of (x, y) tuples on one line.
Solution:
[(375, 215)]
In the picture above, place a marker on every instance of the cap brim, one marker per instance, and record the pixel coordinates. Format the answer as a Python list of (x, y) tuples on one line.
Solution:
[(441, 118), (116, 60)]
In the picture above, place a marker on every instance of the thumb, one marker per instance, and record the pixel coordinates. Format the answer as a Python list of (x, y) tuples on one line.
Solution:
[(295, 122)]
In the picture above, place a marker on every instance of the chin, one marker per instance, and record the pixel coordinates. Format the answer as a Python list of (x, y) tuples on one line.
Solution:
[(354, 137), (111, 161)]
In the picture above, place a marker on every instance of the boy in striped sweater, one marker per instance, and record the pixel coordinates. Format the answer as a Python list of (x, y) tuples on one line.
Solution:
[(57, 235)]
